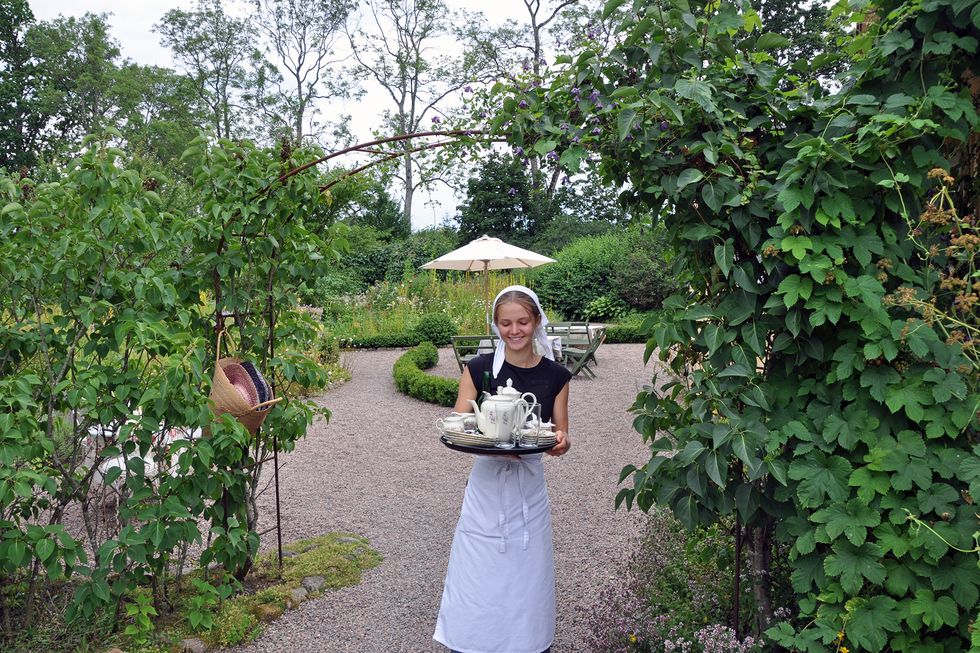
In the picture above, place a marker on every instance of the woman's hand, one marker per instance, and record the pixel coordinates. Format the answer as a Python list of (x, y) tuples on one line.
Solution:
[(562, 443)]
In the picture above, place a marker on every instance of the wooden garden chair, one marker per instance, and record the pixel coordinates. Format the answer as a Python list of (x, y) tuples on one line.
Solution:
[(466, 348), (580, 360)]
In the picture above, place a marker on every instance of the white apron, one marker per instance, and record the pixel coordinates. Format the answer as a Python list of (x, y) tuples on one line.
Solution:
[(499, 595)]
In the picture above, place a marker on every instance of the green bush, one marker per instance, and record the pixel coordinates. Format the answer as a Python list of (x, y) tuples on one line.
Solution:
[(606, 308), (435, 328), (597, 272), (411, 380)]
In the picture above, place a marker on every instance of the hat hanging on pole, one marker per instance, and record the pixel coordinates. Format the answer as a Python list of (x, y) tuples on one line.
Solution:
[(484, 255)]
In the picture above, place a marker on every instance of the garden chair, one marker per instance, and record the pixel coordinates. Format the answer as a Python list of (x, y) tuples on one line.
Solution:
[(577, 335), (466, 348), (580, 360)]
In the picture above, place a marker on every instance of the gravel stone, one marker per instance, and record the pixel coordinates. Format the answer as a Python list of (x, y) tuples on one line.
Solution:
[(313, 583), (192, 645), (296, 596), (377, 469)]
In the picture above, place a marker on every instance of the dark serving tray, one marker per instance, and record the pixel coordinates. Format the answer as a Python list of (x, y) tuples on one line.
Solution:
[(493, 451)]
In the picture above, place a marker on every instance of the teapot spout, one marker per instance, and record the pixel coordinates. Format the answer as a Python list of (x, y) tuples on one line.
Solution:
[(480, 421)]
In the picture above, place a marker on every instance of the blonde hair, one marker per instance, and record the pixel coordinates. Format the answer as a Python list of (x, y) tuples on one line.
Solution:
[(517, 297)]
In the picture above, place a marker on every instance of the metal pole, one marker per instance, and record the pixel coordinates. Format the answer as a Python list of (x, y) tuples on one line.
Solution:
[(738, 572), (275, 466)]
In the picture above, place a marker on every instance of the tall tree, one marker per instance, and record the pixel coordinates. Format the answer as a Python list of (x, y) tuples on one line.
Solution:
[(500, 201), (75, 75), (18, 118), (218, 52), (398, 53), (303, 35)]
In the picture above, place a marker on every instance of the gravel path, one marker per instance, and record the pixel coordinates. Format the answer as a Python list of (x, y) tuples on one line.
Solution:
[(378, 470)]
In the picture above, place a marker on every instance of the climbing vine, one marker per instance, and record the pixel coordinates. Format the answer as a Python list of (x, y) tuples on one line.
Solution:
[(824, 378)]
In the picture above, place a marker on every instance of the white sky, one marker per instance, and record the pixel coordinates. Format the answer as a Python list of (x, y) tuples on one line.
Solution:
[(132, 23)]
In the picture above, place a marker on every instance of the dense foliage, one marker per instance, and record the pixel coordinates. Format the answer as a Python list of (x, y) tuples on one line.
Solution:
[(826, 382), (605, 277), (107, 326)]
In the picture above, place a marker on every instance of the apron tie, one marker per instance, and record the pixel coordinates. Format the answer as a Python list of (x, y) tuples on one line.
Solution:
[(502, 472)]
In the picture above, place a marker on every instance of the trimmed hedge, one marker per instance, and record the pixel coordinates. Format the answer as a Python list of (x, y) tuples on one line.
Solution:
[(411, 380), (381, 341)]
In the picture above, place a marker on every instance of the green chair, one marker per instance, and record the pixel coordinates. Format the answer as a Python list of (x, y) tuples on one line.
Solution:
[(581, 360), (466, 348)]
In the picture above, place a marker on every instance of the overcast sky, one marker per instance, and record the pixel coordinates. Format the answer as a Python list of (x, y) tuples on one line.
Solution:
[(132, 23)]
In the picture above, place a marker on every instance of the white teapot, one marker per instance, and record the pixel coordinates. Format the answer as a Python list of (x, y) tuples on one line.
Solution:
[(500, 415)]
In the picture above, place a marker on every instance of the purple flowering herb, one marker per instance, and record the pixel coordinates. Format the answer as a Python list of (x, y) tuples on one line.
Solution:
[(563, 126), (526, 66), (518, 151), (594, 95), (576, 92), (664, 126), (522, 104), (436, 120), (596, 131), (552, 156), (575, 139), (598, 105), (468, 89), (512, 191), (483, 114)]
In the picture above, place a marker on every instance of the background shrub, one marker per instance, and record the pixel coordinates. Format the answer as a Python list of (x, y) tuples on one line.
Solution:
[(435, 328), (598, 273)]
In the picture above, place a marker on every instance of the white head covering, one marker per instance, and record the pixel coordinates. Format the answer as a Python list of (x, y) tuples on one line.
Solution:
[(540, 336)]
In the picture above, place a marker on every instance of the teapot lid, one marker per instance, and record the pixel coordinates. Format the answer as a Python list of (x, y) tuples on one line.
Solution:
[(508, 391)]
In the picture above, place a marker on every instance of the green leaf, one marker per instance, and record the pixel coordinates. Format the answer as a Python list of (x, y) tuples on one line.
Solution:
[(571, 159), (852, 520), (625, 121), (938, 498), (724, 254), (867, 288), (870, 619), (717, 468), (771, 41), (44, 549), (877, 378), (712, 198), (610, 7), (869, 483), (910, 397), (853, 564), (820, 475), (689, 176), (798, 245), (793, 288), (934, 612)]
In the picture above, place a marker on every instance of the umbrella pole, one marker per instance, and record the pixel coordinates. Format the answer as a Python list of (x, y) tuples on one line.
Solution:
[(486, 294)]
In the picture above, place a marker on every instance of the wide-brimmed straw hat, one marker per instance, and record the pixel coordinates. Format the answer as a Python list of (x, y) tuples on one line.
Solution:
[(234, 391)]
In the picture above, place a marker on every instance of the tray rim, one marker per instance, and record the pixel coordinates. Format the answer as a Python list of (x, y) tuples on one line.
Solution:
[(494, 451)]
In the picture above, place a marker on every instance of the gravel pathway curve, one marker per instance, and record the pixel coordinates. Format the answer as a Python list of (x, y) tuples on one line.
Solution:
[(378, 470)]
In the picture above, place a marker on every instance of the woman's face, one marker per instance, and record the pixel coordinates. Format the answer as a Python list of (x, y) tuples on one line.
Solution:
[(516, 325)]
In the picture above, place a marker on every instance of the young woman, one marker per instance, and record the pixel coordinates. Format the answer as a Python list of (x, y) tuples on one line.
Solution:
[(499, 595)]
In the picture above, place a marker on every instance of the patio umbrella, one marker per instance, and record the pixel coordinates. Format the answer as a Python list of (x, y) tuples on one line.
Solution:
[(485, 254)]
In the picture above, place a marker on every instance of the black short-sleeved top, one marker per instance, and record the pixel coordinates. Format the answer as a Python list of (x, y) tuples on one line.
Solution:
[(545, 380)]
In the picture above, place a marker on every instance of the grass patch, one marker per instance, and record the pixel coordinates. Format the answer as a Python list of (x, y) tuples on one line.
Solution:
[(339, 558)]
